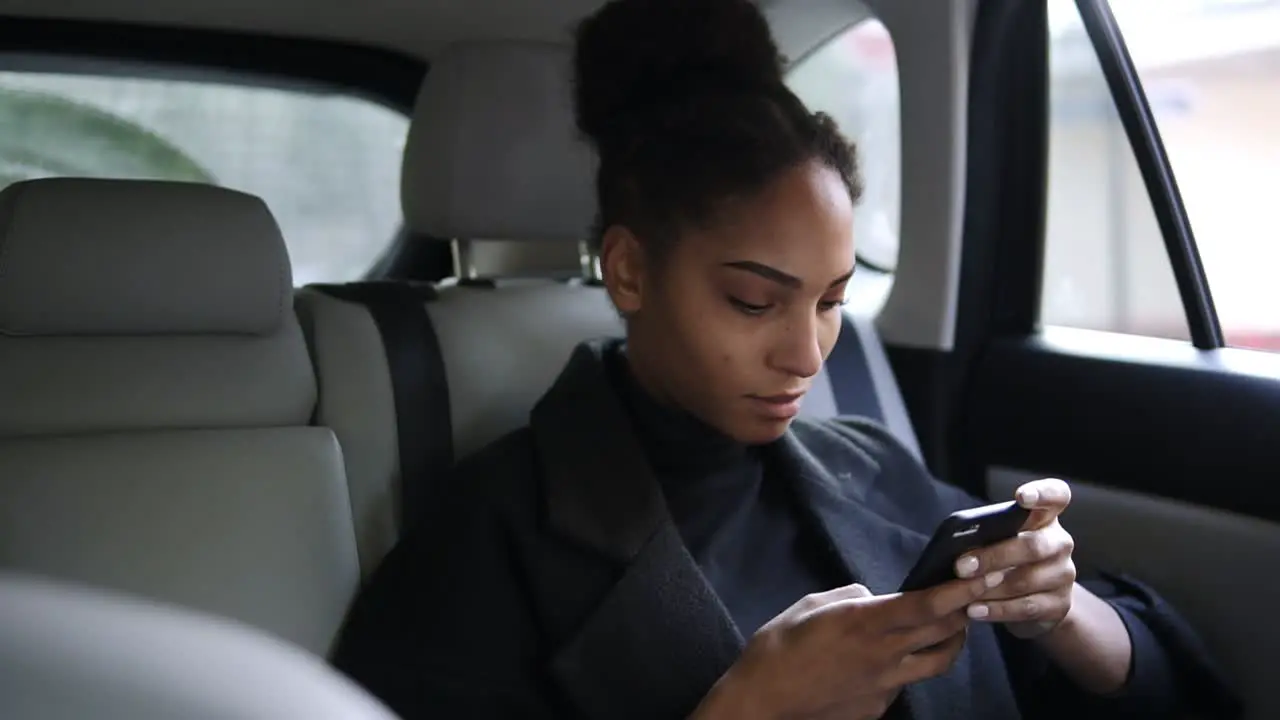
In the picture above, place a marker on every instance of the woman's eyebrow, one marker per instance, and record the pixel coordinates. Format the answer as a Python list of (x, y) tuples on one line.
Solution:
[(841, 280), (767, 272), (775, 275)]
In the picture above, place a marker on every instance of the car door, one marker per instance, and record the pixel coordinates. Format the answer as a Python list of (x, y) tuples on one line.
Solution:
[(1088, 343)]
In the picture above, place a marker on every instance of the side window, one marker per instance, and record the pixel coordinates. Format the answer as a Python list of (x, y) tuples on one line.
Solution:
[(1211, 74), (327, 165), (1106, 267), (854, 78)]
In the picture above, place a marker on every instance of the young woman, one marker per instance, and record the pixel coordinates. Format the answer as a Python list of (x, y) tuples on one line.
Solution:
[(666, 539)]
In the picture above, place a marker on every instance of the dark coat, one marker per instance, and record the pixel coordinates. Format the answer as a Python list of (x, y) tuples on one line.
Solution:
[(551, 582)]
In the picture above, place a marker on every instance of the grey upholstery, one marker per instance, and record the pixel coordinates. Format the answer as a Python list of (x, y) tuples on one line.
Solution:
[(503, 347), (73, 229), (356, 402), (155, 433), (492, 152), (475, 171), (69, 653), (519, 178)]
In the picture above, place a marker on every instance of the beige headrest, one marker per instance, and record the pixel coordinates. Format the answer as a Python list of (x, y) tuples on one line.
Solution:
[(138, 257), (492, 152)]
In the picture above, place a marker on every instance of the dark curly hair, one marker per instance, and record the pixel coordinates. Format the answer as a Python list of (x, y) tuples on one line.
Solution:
[(685, 103)]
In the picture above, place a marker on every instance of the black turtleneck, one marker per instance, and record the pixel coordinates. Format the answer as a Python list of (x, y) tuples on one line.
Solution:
[(738, 520)]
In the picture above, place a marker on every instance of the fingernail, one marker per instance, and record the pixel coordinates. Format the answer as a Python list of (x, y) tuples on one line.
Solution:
[(979, 611), (994, 579), (966, 566), (1030, 497)]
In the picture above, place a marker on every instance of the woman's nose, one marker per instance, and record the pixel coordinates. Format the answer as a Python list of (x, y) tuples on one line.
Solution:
[(800, 352)]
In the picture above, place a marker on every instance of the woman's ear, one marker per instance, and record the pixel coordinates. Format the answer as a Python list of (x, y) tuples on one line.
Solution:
[(622, 263)]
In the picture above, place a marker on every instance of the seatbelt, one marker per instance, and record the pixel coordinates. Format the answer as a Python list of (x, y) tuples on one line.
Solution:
[(862, 380), (852, 381), (419, 386)]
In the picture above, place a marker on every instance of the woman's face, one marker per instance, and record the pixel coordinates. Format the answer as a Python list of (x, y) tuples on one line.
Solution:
[(740, 316)]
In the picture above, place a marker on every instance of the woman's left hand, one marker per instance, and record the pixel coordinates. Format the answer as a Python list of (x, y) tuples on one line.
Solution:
[(1039, 572)]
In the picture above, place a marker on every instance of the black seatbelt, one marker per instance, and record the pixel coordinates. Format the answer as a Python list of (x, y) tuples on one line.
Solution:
[(852, 381), (418, 384)]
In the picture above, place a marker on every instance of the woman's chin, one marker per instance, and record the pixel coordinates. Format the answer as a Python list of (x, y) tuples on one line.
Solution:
[(760, 430)]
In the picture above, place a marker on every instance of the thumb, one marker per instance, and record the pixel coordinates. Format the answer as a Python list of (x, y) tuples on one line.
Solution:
[(857, 590), (844, 593)]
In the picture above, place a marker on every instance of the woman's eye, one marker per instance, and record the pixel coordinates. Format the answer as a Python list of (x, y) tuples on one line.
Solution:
[(829, 305), (748, 308)]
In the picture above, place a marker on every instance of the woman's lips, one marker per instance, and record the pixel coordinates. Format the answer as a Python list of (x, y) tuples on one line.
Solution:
[(783, 406)]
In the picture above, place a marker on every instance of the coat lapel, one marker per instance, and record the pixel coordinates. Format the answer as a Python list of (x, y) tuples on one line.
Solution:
[(655, 644), (836, 486), (655, 640)]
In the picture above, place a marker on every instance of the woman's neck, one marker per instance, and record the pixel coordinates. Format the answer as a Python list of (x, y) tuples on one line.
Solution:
[(675, 441)]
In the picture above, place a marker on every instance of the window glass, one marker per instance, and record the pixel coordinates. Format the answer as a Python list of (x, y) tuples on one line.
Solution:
[(1106, 267), (327, 165), (1211, 72), (854, 78)]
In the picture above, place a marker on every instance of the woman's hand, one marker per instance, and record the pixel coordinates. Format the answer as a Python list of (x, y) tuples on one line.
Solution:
[(1040, 599), (845, 653), (1040, 575)]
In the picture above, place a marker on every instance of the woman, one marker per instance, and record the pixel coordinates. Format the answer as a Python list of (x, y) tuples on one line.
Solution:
[(665, 539)]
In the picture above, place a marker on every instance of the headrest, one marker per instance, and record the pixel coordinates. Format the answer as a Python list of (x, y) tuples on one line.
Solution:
[(71, 651), (492, 152), (138, 257)]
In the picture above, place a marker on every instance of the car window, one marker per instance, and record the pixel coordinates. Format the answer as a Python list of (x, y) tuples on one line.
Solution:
[(1211, 72), (327, 165), (854, 78)]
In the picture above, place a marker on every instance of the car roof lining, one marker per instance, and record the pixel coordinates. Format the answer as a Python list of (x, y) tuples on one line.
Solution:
[(413, 30), (108, 48)]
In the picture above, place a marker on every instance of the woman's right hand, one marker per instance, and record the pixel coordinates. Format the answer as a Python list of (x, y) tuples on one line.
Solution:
[(845, 653)]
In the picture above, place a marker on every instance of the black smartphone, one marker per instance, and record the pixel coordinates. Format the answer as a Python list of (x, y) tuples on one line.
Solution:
[(961, 532)]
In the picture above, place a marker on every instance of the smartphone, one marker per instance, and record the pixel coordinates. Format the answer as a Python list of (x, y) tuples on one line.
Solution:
[(961, 532)]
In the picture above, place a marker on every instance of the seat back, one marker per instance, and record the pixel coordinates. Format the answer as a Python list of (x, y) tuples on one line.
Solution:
[(155, 431), (474, 173)]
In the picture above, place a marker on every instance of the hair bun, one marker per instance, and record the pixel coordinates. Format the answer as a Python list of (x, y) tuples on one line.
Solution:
[(634, 56)]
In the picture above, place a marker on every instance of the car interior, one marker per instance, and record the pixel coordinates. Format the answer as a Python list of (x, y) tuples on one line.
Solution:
[(267, 270)]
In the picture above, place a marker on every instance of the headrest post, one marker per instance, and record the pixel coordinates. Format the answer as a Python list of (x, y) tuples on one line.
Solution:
[(478, 260), (464, 263), (591, 273)]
